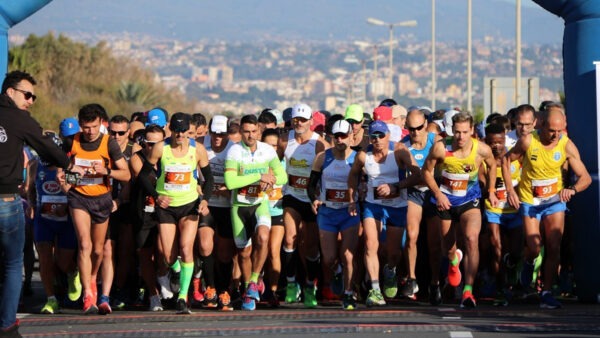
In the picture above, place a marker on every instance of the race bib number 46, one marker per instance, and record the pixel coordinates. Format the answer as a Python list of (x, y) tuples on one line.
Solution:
[(298, 182)]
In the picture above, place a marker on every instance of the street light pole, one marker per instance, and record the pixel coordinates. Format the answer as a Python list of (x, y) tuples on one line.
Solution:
[(469, 52), (433, 70), (518, 56), (377, 22)]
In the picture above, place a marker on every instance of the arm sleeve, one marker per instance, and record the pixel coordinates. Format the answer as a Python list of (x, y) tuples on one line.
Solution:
[(114, 151), (313, 181), (144, 180), (209, 181), (235, 181)]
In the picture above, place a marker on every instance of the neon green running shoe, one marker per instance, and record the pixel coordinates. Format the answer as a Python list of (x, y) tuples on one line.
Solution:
[(310, 297), (51, 307), (74, 286)]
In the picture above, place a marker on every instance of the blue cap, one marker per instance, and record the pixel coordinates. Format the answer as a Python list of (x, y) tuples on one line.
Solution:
[(157, 116), (378, 127), (69, 126)]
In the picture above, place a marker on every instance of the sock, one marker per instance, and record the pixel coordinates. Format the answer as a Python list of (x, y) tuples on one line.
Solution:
[(338, 269), (545, 292), (375, 285), (468, 287), (313, 265), (52, 298), (254, 277), (187, 270), (176, 267), (224, 271), (454, 260), (208, 269), (348, 292), (289, 263), (389, 273)]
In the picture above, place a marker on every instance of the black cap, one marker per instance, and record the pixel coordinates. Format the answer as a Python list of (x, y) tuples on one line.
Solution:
[(180, 122)]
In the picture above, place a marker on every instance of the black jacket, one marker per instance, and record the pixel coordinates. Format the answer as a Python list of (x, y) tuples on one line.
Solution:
[(17, 127)]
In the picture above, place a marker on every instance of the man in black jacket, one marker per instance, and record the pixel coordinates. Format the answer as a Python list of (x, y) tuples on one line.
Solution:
[(16, 128)]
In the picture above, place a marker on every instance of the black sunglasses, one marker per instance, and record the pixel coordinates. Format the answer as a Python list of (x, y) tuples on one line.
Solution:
[(26, 94), (377, 136), (352, 121), (150, 142), (416, 128), (340, 135), (120, 133)]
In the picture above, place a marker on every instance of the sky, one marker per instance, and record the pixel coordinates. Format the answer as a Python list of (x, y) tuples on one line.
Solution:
[(289, 19)]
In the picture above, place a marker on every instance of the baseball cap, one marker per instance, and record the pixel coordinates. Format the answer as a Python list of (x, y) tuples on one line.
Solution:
[(354, 112), (448, 121), (318, 122), (218, 124), (341, 126), (69, 126), (382, 113), (378, 127), (278, 115), (302, 110), (180, 122), (157, 116), (287, 114), (398, 111)]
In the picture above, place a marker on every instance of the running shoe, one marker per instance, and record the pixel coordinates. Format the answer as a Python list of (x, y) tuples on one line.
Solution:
[(165, 286), (292, 292), (155, 304), (454, 275), (271, 297), (260, 286), (349, 302), (310, 297), (435, 295), (197, 286), (74, 291), (547, 301), (252, 291), (468, 301), (89, 306), (249, 304), (94, 287), (500, 299), (51, 307), (104, 305), (410, 289), (211, 298), (390, 283), (225, 301), (118, 301), (182, 308), (328, 294), (375, 298)]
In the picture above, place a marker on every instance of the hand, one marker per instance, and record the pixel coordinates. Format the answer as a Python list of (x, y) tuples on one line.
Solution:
[(163, 201), (315, 206), (268, 178), (115, 205), (513, 199), (443, 203), (60, 176), (566, 194), (99, 168), (264, 186), (352, 209), (203, 208), (384, 190), (493, 199), (76, 169)]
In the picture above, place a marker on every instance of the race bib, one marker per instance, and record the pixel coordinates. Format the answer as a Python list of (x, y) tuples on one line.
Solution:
[(178, 177), (275, 193), (90, 177), (298, 182), (249, 194), (454, 184), (545, 191), (54, 208), (149, 204)]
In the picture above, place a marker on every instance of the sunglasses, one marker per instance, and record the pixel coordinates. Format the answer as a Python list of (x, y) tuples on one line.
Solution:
[(377, 136), (411, 129), (120, 133), (352, 121), (299, 119), (150, 143), (26, 94)]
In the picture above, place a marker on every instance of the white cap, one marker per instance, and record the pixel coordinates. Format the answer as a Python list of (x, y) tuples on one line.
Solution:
[(341, 126), (218, 124), (448, 121), (302, 110)]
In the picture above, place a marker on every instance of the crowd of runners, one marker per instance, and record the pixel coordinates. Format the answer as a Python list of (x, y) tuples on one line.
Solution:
[(363, 206)]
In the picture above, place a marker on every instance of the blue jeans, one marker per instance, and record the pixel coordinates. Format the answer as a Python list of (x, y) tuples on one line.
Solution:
[(12, 240)]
